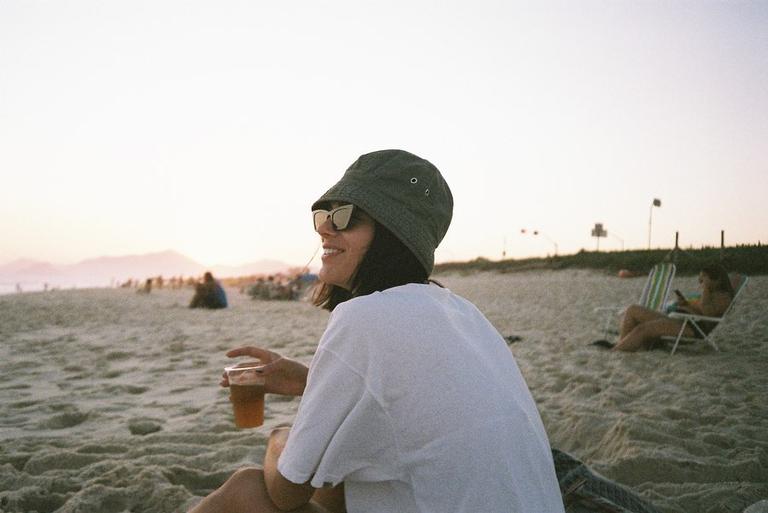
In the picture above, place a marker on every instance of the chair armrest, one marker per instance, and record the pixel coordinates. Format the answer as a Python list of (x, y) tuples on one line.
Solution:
[(694, 317)]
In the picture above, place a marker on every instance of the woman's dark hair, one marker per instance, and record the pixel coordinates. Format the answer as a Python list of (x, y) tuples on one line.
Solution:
[(719, 275), (386, 264)]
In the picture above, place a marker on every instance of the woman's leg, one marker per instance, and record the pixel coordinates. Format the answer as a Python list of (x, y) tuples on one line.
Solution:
[(646, 332), (635, 315), (331, 499), (245, 492)]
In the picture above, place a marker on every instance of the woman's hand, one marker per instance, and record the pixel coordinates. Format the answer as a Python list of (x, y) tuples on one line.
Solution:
[(682, 305), (281, 375)]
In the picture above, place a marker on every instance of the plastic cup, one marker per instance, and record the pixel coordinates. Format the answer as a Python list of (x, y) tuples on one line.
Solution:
[(246, 391)]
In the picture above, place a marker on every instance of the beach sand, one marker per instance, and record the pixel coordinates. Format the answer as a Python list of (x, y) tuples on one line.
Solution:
[(109, 400)]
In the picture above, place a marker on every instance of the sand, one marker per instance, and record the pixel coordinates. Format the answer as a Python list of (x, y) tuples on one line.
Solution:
[(109, 400)]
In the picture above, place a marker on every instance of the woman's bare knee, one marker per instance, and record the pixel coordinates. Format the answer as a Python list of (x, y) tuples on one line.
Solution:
[(642, 314), (245, 476), (629, 319), (244, 491)]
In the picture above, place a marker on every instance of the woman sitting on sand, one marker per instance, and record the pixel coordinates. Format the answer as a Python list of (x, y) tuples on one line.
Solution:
[(209, 294), (413, 401), (640, 327)]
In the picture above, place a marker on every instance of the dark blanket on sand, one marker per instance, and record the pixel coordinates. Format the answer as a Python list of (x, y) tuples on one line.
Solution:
[(585, 491)]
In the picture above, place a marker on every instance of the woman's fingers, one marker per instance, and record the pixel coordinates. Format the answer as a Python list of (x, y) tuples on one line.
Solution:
[(256, 352), (268, 358), (271, 366)]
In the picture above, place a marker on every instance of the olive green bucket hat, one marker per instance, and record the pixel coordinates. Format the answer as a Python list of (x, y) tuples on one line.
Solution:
[(403, 192)]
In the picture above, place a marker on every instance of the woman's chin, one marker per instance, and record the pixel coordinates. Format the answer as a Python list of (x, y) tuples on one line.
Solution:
[(327, 278)]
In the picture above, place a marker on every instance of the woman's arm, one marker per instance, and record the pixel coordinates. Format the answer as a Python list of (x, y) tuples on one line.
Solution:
[(285, 494), (689, 308), (714, 305)]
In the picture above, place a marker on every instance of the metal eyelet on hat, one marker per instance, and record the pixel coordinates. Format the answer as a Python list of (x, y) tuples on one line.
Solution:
[(426, 192), (414, 180)]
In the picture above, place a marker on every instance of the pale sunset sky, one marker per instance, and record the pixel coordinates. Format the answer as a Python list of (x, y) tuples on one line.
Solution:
[(209, 127)]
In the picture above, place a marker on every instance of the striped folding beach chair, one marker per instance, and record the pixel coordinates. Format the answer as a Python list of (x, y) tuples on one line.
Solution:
[(654, 296), (657, 288), (695, 321)]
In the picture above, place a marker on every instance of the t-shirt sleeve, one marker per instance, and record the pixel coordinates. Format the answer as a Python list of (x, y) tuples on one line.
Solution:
[(341, 430)]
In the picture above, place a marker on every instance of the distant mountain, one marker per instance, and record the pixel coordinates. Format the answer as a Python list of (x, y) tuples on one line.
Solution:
[(259, 267), (27, 266), (166, 263), (105, 271)]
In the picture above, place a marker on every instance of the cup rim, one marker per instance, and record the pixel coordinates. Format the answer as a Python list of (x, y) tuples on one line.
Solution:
[(245, 366)]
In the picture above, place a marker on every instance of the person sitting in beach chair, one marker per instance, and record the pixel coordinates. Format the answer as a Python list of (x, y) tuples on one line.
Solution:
[(641, 327), (412, 401), (209, 294)]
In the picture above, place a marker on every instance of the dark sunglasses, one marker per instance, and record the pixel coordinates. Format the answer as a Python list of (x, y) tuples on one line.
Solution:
[(340, 217)]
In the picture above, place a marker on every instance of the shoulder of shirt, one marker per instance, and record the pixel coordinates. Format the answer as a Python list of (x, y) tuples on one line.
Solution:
[(395, 298)]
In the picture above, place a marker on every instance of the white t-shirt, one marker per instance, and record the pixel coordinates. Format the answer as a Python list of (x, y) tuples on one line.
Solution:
[(414, 400)]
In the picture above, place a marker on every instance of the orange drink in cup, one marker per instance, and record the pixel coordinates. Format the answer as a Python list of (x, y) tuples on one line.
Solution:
[(246, 391)]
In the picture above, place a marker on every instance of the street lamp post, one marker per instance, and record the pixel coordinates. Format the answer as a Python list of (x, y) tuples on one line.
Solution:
[(656, 203), (537, 232)]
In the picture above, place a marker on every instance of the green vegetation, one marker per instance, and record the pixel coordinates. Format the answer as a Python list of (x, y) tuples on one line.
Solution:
[(751, 260)]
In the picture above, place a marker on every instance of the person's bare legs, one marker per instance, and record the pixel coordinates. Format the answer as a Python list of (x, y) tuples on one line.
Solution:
[(646, 332), (245, 492), (635, 315)]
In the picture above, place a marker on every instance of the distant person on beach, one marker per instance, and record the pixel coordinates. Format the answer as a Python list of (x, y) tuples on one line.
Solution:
[(209, 294), (147, 288), (640, 327), (412, 401)]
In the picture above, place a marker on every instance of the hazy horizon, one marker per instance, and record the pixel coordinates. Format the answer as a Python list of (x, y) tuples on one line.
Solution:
[(315, 262), (166, 250), (114, 270), (209, 128)]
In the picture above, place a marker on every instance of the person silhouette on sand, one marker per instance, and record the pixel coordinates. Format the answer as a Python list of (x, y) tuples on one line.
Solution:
[(209, 294), (147, 288)]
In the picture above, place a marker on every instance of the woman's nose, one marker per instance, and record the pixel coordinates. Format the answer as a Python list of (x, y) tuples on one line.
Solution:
[(326, 228)]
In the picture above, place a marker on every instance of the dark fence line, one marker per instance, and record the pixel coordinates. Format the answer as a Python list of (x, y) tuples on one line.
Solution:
[(746, 259)]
